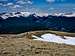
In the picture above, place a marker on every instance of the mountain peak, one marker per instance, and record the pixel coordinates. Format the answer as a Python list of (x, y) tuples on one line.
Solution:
[(26, 14)]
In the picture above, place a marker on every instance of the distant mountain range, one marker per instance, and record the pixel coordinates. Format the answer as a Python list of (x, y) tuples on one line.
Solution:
[(17, 22), (25, 14)]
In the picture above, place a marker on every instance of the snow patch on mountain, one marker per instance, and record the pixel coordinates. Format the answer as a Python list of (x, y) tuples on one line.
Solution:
[(15, 14), (65, 14)]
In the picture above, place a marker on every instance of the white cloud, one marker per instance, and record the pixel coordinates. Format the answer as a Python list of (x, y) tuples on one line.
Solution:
[(8, 4), (16, 6), (29, 2), (21, 2), (11, 5), (18, 3), (24, 2), (50, 0)]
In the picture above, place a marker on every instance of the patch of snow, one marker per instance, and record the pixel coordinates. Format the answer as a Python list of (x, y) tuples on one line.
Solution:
[(65, 14), (42, 14), (4, 17), (56, 39), (26, 14), (58, 14), (72, 15)]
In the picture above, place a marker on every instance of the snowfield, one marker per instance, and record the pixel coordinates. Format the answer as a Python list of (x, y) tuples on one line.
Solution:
[(57, 39)]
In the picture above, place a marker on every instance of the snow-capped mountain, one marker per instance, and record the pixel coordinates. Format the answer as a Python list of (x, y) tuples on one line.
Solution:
[(14, 14), (26, 14), (65, 14), (26, 21)]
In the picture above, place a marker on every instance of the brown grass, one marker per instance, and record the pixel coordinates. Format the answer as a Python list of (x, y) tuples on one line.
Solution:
[(28, 47), (23, 45)]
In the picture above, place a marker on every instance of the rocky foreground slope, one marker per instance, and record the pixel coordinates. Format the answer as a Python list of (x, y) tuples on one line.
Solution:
[(23, 45)]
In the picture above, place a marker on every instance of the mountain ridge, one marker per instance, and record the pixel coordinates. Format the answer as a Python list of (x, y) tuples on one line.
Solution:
[(31, 22), (26, 14)]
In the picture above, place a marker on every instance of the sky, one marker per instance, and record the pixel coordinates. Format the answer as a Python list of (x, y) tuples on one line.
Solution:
[(47, 6)]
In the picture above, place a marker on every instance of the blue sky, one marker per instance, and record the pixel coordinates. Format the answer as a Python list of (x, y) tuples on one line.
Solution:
[(37, 5)]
